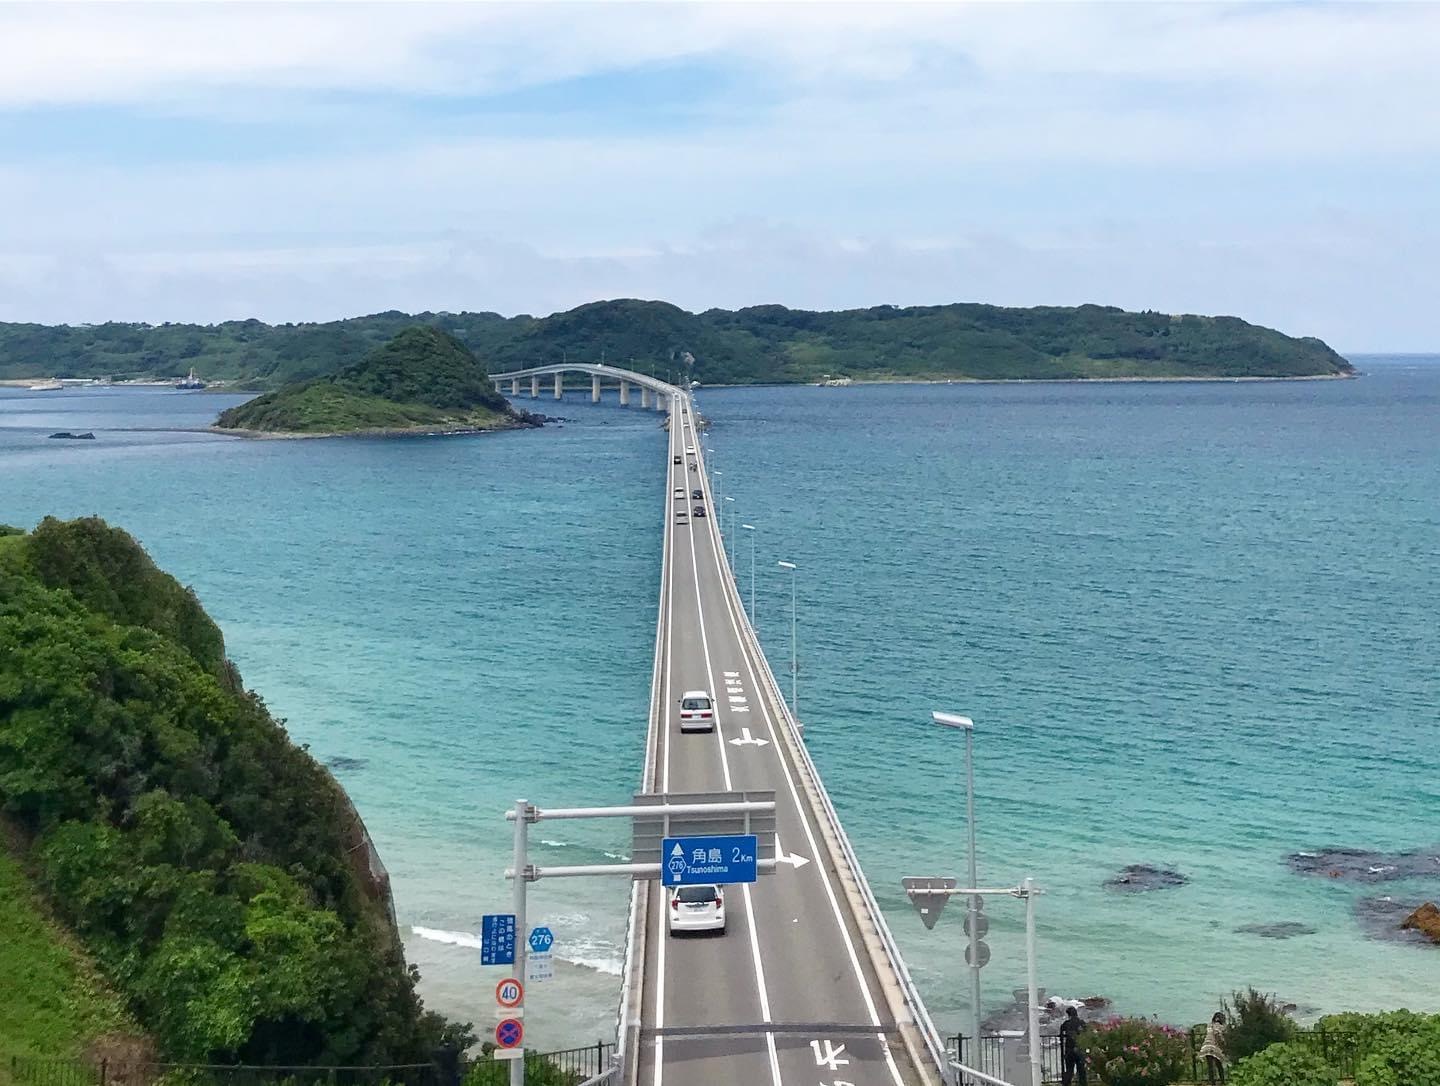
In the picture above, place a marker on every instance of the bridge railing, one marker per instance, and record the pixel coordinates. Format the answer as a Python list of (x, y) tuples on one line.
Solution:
[(930, 1035), (627, 1026)]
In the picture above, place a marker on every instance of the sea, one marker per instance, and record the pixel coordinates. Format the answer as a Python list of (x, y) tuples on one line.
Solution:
[(1197, 626)]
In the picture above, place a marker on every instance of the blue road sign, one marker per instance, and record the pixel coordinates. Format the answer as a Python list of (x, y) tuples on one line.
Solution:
[(541, 939), (689, 861), (497, 939)]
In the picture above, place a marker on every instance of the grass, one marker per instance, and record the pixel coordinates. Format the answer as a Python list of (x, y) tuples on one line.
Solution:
[(53, 1002)]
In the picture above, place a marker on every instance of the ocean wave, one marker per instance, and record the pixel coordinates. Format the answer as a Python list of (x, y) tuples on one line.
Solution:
[(554, 844), (454, 938), (616, 856)]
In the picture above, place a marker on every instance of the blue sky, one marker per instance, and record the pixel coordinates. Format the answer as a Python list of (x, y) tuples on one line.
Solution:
[(1280, 162)]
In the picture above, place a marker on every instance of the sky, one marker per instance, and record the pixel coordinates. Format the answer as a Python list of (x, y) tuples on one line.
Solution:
[(1274, 161)]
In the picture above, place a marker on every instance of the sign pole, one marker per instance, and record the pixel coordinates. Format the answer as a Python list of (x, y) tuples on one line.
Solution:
[(522, 829), (1036, 1073)]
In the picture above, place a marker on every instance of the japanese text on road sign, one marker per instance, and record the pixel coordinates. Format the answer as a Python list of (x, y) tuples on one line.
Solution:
[(691, 861), (497, 939)]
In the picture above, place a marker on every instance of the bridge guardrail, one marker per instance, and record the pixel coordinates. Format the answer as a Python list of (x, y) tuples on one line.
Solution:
[(934, 1043), (627, 1025)]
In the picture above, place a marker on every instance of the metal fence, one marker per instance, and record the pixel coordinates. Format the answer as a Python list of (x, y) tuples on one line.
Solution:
[(999, 1055), (25, 1071), (567, 1067)]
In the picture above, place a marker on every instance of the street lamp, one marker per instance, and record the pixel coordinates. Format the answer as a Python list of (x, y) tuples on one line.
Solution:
[(751, 529), (965, 724), (724, 539), (794, 659)]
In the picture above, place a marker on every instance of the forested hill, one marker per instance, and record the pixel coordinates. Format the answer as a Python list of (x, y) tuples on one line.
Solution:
[(760, 344), (216, 874), (422, 380)]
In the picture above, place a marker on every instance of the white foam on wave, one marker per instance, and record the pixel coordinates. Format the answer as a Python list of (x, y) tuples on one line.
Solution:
[(554, 844), (585, 953), (616, 856), (602, 959), (454, 938)]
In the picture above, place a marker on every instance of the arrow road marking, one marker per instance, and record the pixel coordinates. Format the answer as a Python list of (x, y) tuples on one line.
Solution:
[(795, 860), (748, 740), (831, 1058)]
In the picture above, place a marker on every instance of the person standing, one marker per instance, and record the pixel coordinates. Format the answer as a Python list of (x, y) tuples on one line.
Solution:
[(1072, 1058), (1214, 1048)]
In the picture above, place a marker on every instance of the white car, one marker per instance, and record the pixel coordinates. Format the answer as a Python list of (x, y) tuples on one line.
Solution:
[(682, 517), (697, 711), (697, 908), (679, 493)]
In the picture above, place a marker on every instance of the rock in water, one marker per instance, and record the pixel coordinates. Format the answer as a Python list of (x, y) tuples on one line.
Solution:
[(1384, 918), (1363, 865), (1284, 929), (1139, 878), (68, 436), (1426, 920)]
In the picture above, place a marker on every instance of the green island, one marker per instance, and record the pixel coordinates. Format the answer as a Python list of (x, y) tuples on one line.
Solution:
[(178, 880), (423, 380), (760, 344)]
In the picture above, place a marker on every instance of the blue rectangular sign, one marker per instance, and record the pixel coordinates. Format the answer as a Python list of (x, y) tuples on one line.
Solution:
[(691, 861), (497, 939)]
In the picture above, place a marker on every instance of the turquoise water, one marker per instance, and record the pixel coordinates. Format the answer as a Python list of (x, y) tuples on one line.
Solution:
[(1195, 625)]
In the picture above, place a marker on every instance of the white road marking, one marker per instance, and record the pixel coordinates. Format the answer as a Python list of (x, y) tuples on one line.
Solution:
[(748, 740), (831, 1060), (664, 733), (794, 859), (810, 835)]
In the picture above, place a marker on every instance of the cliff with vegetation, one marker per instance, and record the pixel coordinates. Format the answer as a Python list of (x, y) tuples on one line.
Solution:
[(422, 380), (203, 863), (756, 345)]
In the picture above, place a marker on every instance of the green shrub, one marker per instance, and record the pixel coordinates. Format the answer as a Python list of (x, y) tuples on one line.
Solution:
[(1287, 1064), (1399, 1056), (1255, 1022), (1135, 1052)]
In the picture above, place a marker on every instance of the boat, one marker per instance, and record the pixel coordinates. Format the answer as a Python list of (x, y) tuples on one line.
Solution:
[(51, 385), (191, 382)]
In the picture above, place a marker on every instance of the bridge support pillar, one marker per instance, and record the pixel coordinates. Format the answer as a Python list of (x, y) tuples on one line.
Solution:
[(595, 390), (535, 388), (660, 402), (514, 386), (645, 395), (559, 385), (624, 393)]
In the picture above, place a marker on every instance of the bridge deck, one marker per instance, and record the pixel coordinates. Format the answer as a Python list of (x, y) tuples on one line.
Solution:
[(789, 993)]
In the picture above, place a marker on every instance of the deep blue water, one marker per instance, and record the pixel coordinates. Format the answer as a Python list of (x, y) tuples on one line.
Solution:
[(1195, 625)]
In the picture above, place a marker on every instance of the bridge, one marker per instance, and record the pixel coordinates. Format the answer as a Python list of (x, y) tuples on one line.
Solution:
[(653, 391), (806, 984)]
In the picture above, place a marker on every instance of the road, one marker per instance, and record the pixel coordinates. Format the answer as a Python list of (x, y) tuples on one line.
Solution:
[(787, 993)]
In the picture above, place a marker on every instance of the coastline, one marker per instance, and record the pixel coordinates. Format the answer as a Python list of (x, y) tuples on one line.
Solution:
[(290, 435)]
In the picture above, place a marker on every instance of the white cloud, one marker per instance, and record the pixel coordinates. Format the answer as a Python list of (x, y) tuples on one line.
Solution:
[(1011, 152)]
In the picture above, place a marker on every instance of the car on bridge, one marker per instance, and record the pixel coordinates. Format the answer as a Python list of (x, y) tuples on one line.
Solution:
[(679, 493), (699, 511), (697, 494), (697, 711), (677, 459), (697, 908)]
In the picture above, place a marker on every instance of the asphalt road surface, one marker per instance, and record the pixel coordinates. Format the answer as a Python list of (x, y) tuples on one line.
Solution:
[(787, 993)]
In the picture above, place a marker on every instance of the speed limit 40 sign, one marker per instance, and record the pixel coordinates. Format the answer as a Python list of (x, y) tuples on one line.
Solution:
[(509, 992)]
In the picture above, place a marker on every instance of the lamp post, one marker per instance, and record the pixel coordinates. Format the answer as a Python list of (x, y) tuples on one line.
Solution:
[(751, 529), (726, 539), (794, 658), (965, 724)]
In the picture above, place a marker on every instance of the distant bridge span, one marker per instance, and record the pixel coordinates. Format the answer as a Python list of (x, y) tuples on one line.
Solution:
[(653, 391)]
